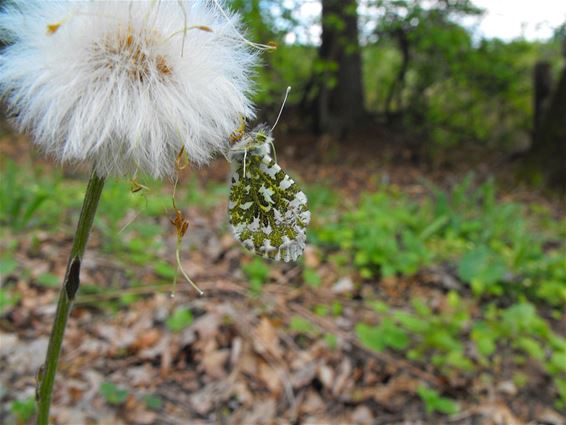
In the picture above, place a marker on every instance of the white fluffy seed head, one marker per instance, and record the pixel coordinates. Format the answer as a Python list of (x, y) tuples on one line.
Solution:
[(125, 84)]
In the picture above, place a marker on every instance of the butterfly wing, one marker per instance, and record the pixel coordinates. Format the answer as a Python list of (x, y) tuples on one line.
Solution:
[(267, 210)]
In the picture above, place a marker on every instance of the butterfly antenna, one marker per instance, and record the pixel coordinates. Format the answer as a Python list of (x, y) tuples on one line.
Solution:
[(273, 150), (282, 106)]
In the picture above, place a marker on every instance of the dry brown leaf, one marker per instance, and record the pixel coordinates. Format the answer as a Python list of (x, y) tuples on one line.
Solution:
[(248, 362), (263, 413), (146, 339), (214, 364), (326, 375), (303, 376), (206, 326), (209, 396), (362, 415), (271, 378), (402, 384), (343, 379), (498, 413), (312, 257), (312, 403), (140, 375), (267, 338), (140, 416)]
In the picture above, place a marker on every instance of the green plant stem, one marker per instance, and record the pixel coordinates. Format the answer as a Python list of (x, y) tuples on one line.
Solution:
[(46, 375)]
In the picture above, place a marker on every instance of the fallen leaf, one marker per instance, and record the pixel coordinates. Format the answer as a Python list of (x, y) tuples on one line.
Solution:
[(214, 364)]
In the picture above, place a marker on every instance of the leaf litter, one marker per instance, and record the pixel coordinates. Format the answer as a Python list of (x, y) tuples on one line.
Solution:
[(237, 359)]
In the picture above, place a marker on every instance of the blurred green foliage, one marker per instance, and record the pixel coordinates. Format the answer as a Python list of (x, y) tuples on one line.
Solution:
[(498, 251), (257, 272), (180, 319), (23, 410), (21, 197), (113, 394), (421, 67), (435, 403)]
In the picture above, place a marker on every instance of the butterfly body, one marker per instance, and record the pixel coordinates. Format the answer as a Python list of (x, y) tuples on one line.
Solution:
[(267, 210)]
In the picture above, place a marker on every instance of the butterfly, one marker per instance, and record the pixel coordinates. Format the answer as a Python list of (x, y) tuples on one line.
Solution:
[(267, 210)]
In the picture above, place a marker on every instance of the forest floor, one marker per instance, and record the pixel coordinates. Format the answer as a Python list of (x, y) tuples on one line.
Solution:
[(267, 343)]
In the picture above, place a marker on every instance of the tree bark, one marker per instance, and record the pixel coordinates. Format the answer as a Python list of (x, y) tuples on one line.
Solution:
[(340, 100), (542, 82), (397, 87), (549, 147)]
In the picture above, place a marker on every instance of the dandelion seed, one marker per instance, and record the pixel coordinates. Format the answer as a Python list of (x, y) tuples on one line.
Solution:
[(125, 85)]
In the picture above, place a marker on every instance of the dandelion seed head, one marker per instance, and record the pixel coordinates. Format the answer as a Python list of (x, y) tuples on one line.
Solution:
[(125, 84)]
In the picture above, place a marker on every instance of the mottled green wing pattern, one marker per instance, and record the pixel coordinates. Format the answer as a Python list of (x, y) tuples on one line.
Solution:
[(267, 210)]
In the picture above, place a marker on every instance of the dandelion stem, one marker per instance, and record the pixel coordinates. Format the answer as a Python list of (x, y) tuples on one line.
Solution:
[(46, 375)]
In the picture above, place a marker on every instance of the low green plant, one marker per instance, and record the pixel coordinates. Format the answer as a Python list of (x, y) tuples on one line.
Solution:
[(22, 195), (385, 335), (382, 234), (311, 277), (302, 326), (8, 299), (434, 402), (49, 280), (113, 394), (23, 410), (180, 319), (8, 265), (153, 402), (496, 246), (257, 272)]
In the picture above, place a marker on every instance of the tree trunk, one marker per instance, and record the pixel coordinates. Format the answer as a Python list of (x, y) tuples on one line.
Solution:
[(340, 100), (397, 87), (542, 82), (549, 147)]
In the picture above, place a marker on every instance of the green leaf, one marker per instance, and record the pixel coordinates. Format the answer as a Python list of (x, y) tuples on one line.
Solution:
[(558, 362), (8, 299), (311, 277), (336, 308), (485, 338), (331, 340), (394, 336), (321, 310), (128, 299), (379, 307), (153, 402), (165, 270), (436, 403), (483, 267), (7, 266), (421, 308), (385, 335), (257, 272), (410, 322), (561, 387), (370, 337), (23, 410), (113, 394), (49, 280), (530, 346), (180, 319), (303, 326)]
